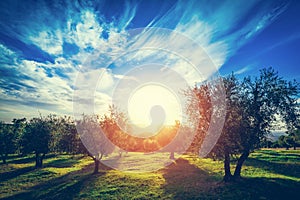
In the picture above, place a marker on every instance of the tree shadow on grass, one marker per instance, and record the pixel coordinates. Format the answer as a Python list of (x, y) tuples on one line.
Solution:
[(14, 173), (16, 158), (270, 155), (288, 168), (26, 159), (63, 162), (64, 187), (257, 188), (59, 163), (186, 181), (270, 152)]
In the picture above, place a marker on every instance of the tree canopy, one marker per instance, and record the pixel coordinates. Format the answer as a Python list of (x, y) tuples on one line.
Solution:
[(252, 106)]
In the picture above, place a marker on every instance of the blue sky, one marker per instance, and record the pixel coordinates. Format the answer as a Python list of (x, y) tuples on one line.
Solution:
[(44, 44)]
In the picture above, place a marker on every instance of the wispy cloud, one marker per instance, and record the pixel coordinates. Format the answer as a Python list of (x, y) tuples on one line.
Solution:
[(265, 18), (43, 46), (287, 40), (243, 70)]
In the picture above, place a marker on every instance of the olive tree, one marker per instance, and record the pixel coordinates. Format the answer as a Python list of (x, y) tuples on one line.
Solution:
[(252, 107), (7, 140), (94, 139), (36, 139), (262, 99)]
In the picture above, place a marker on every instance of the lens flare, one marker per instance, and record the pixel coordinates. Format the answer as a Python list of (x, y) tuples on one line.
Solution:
[(151, 106), (146, 83)]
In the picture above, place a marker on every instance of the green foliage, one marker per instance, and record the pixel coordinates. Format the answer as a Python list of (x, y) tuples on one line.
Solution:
[(92, 136), (7, 140), (252, 106), (10, 137), (67, 137), (263, 98), (36, 138), (19, 128), (230, 139), (59, 135), (199, 111), (288, 141)]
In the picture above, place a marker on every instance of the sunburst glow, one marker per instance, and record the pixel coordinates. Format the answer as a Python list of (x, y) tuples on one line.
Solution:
[(153, 105)]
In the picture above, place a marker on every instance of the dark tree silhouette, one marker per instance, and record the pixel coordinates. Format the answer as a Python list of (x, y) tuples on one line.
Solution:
[(7, 140), (36, 138), (263, 98), (229, 142), (252, 106)]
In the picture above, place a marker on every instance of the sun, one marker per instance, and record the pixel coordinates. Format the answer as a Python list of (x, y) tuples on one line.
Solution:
[(152, 105)]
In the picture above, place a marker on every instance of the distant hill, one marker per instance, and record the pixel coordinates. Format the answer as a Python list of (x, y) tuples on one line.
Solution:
[(276, 134)]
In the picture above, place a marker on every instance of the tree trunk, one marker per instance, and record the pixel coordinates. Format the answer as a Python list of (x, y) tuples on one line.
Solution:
[(4, 156), (41, 160), (37, 160), (172, 156), (241, 160), (97, 163), (96, 169), (228, 176)]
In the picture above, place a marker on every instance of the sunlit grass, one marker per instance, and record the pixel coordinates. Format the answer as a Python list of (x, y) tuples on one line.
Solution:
[(115, 184), (267, 163), (267, 174), (139, 161), (21, 177)]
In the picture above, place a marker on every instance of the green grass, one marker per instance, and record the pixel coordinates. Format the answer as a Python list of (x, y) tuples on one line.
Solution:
[(267, 174)]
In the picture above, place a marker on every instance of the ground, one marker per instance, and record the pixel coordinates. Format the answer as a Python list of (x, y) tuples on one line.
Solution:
[(267, 174)]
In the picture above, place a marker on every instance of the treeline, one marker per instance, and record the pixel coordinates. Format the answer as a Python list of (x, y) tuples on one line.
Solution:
[(251, 109), (292, 140), (56, 134), (94, 136), (40, 136)]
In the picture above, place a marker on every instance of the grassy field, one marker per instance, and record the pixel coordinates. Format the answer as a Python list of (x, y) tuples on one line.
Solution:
[(268, 174)]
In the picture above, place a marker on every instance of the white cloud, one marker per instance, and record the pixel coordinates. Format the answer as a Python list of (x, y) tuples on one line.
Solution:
[(86, 32), (243, 70), (95, 53), (49, 41), (6, 54)]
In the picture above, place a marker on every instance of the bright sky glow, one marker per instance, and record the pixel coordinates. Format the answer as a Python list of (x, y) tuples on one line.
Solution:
[(148, 96)]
